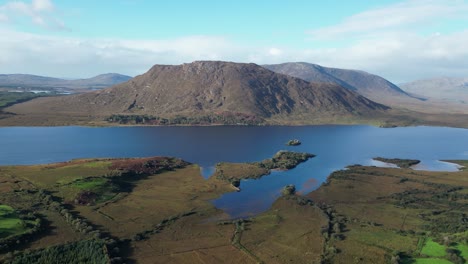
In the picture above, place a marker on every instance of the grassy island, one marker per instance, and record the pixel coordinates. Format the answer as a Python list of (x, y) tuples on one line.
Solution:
[(282, 160), (402, 163)]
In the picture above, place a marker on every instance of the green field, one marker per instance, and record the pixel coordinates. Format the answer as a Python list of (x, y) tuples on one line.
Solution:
[(10, 98), (10, 224), (433, 249), (463, 250), (90, 184), (102, 188)]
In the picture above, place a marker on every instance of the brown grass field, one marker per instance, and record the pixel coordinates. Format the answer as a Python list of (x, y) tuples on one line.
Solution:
[(426, 113)]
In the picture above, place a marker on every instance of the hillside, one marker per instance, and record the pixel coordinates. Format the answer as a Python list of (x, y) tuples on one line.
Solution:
[(443, 88), (212, 87), (371, 86), (27, 81)]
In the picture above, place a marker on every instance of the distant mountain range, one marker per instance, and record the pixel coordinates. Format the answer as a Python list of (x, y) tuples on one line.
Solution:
[(213, 87), (371, 86), (27, 81), (452, 89)]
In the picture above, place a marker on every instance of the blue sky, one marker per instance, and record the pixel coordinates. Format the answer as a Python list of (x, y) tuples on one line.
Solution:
[(256, 22), (399, 40)]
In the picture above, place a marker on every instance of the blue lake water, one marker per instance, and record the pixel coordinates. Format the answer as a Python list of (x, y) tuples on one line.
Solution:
[(335, 147)]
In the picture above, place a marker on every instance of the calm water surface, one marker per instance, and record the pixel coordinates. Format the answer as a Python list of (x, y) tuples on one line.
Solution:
[(335, 147)]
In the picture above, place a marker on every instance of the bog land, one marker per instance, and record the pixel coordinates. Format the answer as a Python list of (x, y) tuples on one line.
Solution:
[(158, 210)]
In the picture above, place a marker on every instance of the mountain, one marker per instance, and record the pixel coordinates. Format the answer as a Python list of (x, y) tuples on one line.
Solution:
[(212, 87), (445, 88), (28, 80), (34, 81), (371, 86), (107, 79)]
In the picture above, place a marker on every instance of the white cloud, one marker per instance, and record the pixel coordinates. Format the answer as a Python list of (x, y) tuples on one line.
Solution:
[(402, 57), (3, 18), (275, 51), (40, 12), (389, 40), (384, 48), (42, 5), (79, 57), (399, 16), (398, 57)]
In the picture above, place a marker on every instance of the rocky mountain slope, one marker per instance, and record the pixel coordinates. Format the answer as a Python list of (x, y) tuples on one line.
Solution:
[(371, 86), (444, 88)]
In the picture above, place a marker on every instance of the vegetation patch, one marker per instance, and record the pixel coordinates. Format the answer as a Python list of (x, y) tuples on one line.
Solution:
[(223, 118), (87, 251), (10, 224), (88, 191), (146, 166), (13, 224), (11, 98), (17, 227), (90, 183), (430, 261), (61, 173), (463, 250), (293, 142), (387, 210), (94, 190), (120, 177), (402, 163), (288, 190), (282, 160), (433, 249)]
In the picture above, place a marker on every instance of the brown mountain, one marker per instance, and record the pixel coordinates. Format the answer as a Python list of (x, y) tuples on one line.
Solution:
[(371, 86), (207, 87)]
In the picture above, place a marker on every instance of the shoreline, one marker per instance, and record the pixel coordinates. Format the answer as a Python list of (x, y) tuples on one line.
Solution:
[(221, 125)]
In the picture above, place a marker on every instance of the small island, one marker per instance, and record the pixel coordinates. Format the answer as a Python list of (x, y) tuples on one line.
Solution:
[(402, 163), (288, 190), (293, 142), (282, 160)]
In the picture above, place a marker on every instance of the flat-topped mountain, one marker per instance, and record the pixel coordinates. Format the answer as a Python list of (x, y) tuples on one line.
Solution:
[(371, 86), (35, 81), (207, 87)]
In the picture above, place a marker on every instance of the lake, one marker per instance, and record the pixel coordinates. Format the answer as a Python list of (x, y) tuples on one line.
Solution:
[(335, 146)]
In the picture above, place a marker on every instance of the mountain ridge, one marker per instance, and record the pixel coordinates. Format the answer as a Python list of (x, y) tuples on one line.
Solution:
[(204, 87), (37, 81), (443, 88), (369, 85)]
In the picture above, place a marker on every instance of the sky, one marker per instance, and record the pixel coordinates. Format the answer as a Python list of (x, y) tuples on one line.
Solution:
[(396, 39)]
